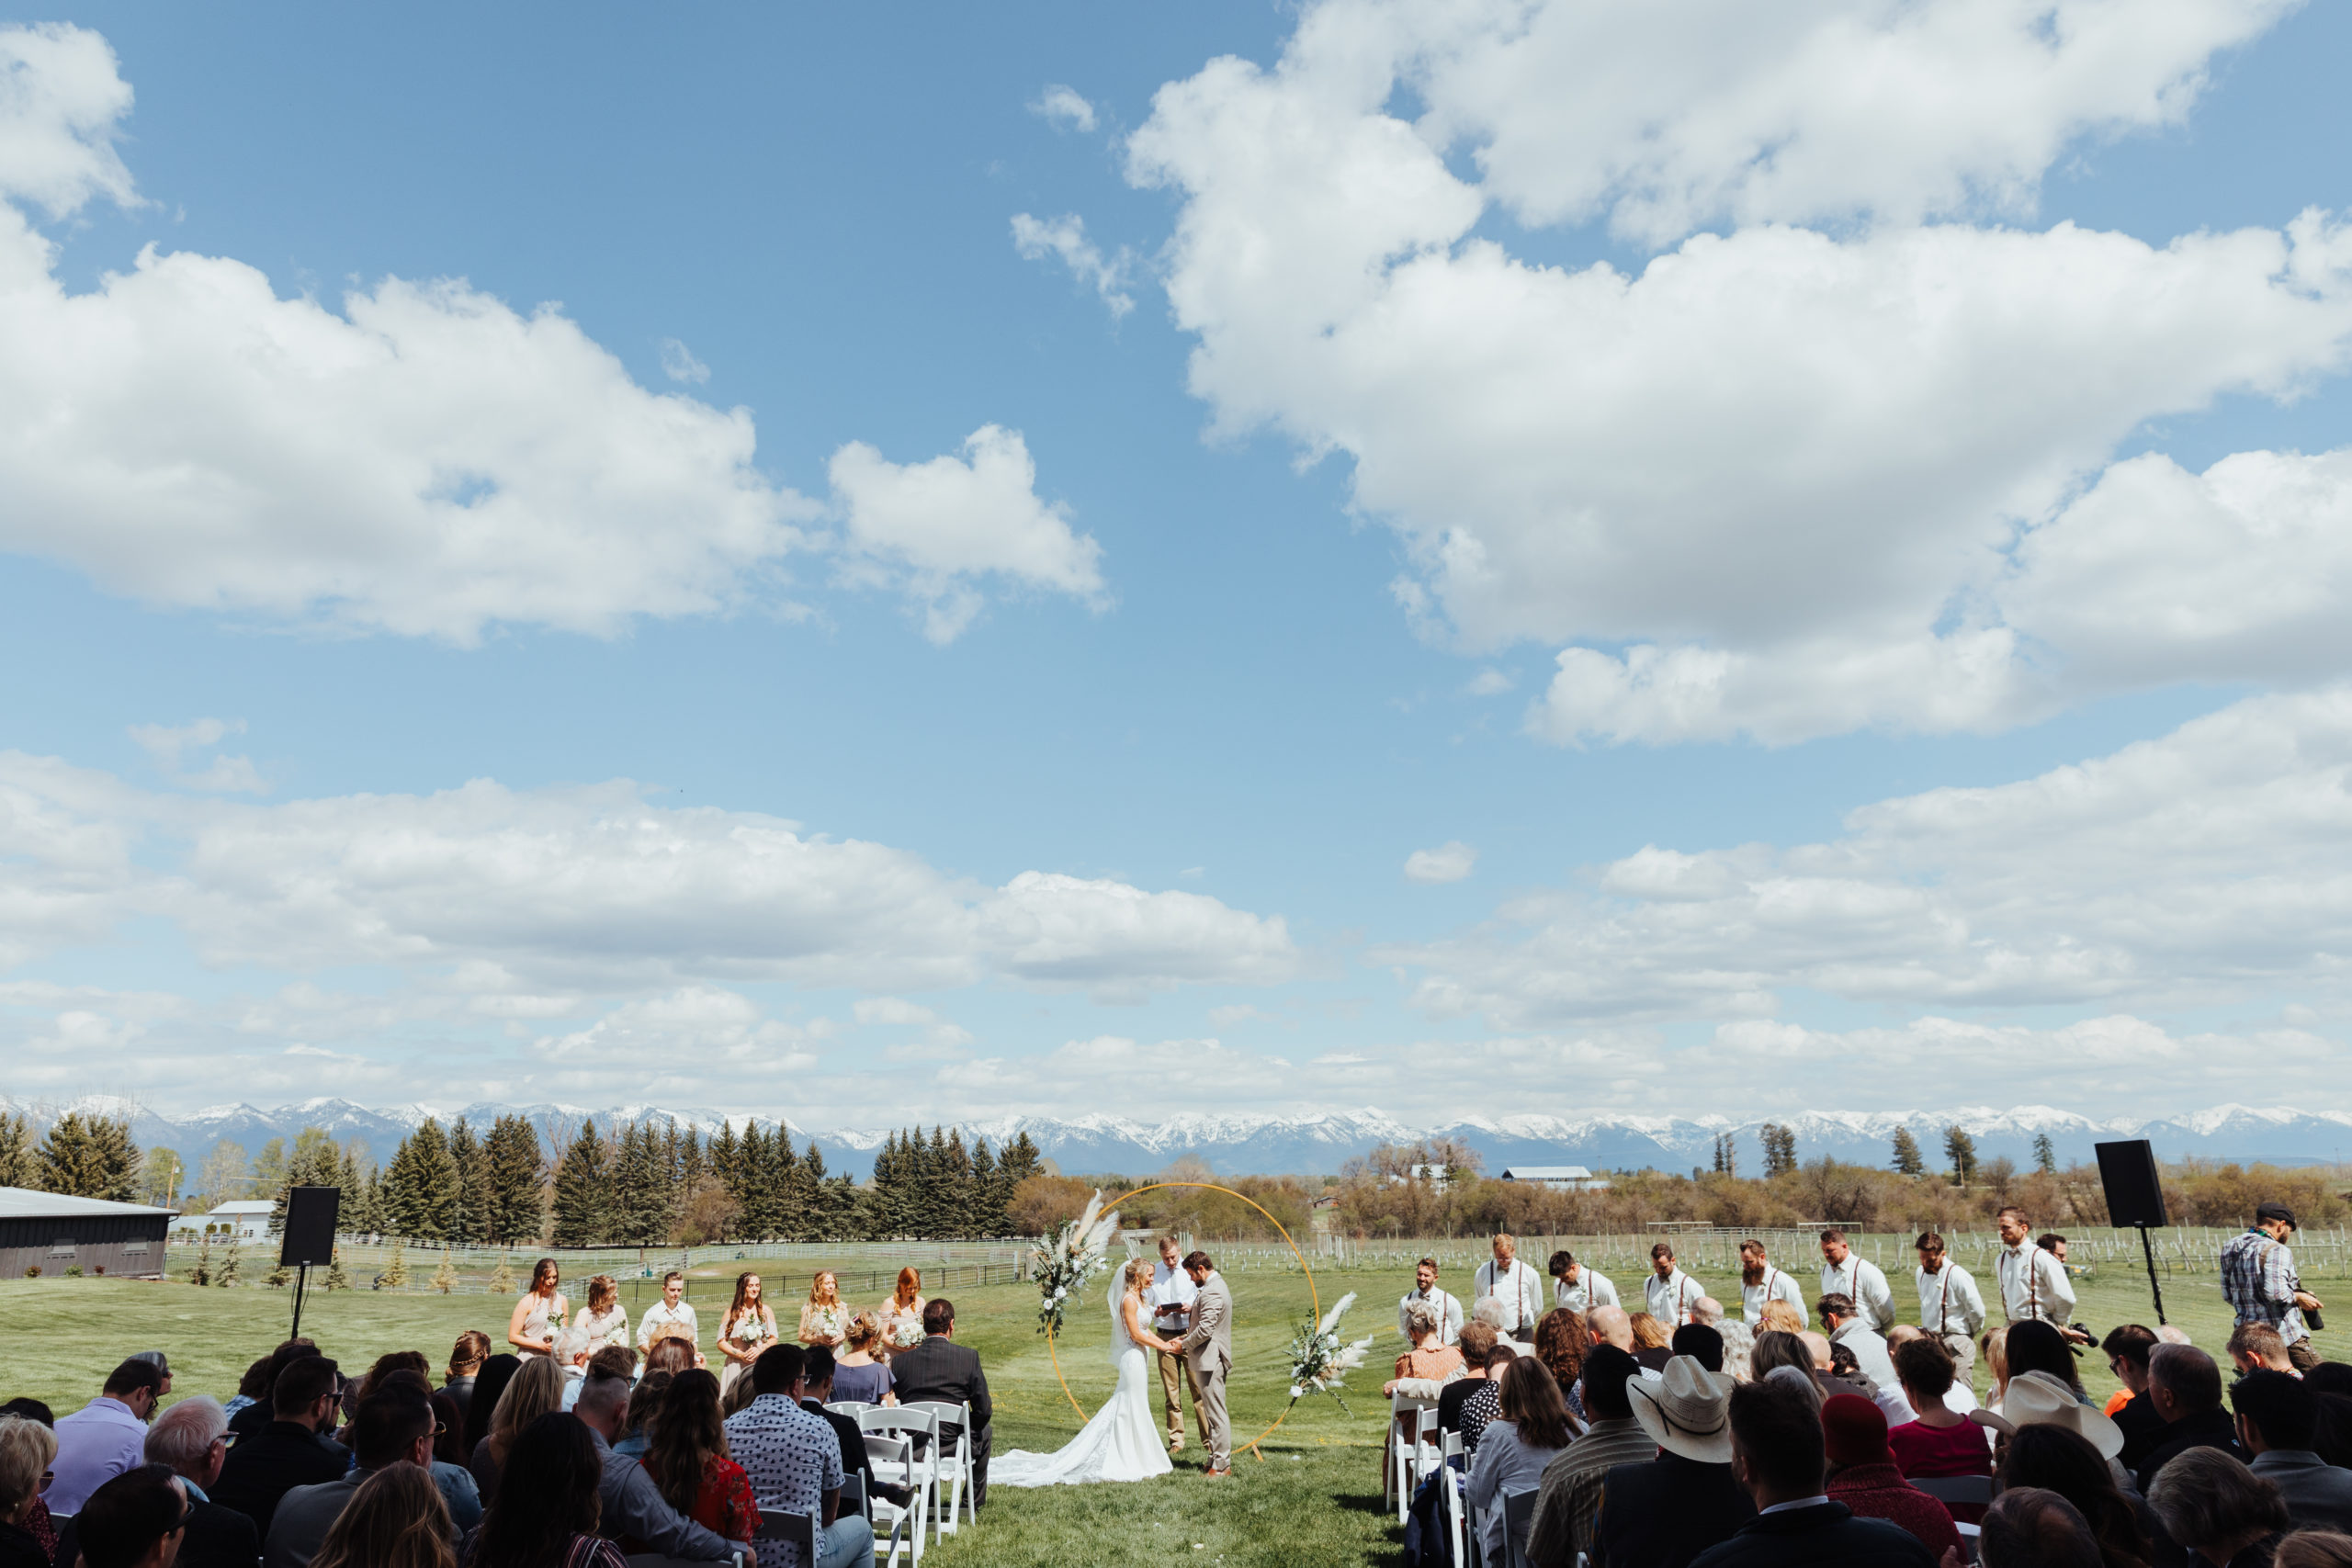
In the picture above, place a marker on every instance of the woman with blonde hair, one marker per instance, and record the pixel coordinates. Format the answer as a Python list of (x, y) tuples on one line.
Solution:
[(748, 1329), (1650, 1334), (607, 1321), (27, 1450), (1995, 1348), (901, 1313), (860, 1373), (539, 1314), (1779, 1317), (535, 1389), (823, 1319), (396, 1520)]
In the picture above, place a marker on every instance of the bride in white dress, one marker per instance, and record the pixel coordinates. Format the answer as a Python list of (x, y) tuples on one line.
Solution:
[(1120, 1443)]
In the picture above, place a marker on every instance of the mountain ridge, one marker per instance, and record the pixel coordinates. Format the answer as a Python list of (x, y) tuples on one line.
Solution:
[(1319, 1142)]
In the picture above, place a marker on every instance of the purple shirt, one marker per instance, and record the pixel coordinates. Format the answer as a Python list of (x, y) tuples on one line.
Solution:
[(95, 1444)]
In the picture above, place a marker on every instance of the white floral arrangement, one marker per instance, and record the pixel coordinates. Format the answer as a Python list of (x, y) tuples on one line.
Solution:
[(906, 1333), (1320, 1361), (1073, 1256)]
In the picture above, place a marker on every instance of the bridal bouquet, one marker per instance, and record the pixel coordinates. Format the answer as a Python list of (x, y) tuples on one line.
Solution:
[(1069, 1259), (905, 1333), (1319, 1361)]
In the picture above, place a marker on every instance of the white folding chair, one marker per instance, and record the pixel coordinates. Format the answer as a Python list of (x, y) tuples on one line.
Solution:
[(851, 1406), (1519, 1512), (1402, 1468), (1457, 1520), (916, 1469), (954, 1464), (894, 1455)]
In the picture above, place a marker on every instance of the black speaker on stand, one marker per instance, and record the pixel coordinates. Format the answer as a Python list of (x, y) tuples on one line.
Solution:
[(309, 1237), (2136, 1197)]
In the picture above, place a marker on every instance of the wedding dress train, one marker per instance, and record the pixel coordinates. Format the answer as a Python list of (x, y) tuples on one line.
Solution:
[(1120, 1443)]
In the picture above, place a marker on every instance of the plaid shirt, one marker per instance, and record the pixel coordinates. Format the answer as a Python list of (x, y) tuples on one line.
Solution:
[(2258, 1279)]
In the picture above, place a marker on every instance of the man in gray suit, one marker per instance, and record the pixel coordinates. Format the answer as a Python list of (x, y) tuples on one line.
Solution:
[(1209, 1349)]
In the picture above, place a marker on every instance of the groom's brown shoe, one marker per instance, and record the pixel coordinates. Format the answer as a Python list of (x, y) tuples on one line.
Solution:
[(1219, 1472)]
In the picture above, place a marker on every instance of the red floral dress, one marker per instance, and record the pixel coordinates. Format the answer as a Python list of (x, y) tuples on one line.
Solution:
[(725, 1505)]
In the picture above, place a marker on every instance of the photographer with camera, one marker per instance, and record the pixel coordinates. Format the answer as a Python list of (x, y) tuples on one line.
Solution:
[(2258, 1281)]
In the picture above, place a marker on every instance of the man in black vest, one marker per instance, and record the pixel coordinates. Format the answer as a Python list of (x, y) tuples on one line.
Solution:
[(291, 1450)]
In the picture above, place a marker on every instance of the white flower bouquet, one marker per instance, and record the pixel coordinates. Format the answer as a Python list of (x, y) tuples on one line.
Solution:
[(906, 1333), (1319, 1361), (1064, 1263)]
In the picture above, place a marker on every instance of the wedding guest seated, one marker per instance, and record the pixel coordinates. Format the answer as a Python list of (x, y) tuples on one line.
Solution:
[(793, 1461), (292, 1450), (2186, 1388), (2035, 1528), (490, 1386), (1667, 1511), (941, 1370), (534, 1390), (2257, 1347), (692, 1467), (674, 1355), (1568, 1497), (1938, 1441), (2127, 1348), (1776, 1351), (1863, 1477), (1778, 1455), (449, 1440), (548, 1517), (1430, 1356), (1707, 1310), (256, 1416), (1531, 1429), (635, 1513), (1848, 1328), (1611, 1325), (2212, 1504), (1653, 1345), (396, 1520), (859, 1373), (2277, 1421), (456, 1483), (1739, 1344), (2312, 1548), (387, 1430), (136, 1520), (191, 1440), (2037, 1346), (819, 1376), (27, 1446), (1562, 1339), (644, 1408), (1779, 1317), (1701, 1343), (105, 1437), (2047, 1455), (1478, 1349), (465, 1358)]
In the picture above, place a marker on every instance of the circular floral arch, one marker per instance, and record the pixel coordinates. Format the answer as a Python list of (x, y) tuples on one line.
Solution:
[(1312, 1295)]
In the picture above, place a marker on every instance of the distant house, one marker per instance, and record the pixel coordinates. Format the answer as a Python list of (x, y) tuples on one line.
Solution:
[(1435, 1175), (247, 1219), (50, 1233), (1558, 1178)]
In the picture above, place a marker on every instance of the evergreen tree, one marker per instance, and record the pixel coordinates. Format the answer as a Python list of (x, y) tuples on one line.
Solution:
[(269, 1169), (516, 1211), (725, 1155), (955, 1178), (279, 1277), (316, 1162), (1908, 1160), (119, 1158), (640, 1193), (1018, 1162), (2045, 1154), (747, 1158), (420, 1197), (395, 1272), (162, 1174), (583, 1216), (1961, 1149), (357, 1213), (228, 1268), (501, 1279), (692, 1163), (337, 1278), (470, 1215), (19, 1167), (1779, 1146), (985, 1218), (938, 1187), (444, 1278), (673, 1169), (71, 1161), (203, 1274)]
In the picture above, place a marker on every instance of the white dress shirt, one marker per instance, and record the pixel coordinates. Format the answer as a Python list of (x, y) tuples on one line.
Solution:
[(1518, 1287), (1172, 1295), (1670, 1299), (1949, 1302), (2033, 1284), (1778, 1286), (1864, 1283), (1870, 1355), (1592, 1288), (1448, 1310), (663, 1321)]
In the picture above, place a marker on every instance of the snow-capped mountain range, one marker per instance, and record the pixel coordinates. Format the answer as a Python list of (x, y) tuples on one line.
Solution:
[(1314, 1143)]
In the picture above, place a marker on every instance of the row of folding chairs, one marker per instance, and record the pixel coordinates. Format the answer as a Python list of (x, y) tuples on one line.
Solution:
[(904, 1448)]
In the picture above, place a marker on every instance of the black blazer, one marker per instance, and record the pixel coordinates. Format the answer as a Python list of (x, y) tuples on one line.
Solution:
[(264, 1467), (1665, 1513), (2207, 1429), (1826, 1533), (942, 1370)]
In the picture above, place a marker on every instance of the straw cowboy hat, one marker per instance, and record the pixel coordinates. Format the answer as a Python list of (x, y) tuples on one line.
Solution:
[(1687, 1411), (2038, 1398)]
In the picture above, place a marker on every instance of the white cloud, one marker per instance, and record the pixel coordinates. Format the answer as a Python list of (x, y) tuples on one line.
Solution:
[(1449, 862), (425, 461), (1118, 940), (679, 363), (1768, 483), (1065, 237), (1489, 684), (166, 743), (1062, 107), (2211, 866), (936, 529), (683, 1037)]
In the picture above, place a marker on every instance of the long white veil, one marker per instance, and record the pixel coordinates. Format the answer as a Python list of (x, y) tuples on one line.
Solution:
[(1120, 1340)]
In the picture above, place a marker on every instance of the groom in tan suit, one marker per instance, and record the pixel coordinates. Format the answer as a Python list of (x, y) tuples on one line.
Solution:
[(1209, 1349)]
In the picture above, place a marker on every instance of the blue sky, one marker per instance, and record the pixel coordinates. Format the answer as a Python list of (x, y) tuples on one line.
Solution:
[(1361, 445)]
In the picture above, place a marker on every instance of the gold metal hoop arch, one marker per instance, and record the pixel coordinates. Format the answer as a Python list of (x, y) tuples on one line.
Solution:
[(1312, 1295)]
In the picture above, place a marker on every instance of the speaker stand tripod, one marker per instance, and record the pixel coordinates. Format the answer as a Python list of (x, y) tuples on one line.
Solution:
[(2148, 1251), (302, 1280)]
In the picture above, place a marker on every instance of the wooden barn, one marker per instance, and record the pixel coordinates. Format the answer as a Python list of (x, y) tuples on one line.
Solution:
[(49, 1232)]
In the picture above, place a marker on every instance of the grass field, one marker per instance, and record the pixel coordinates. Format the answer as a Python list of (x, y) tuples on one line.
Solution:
[(1314, 1500)]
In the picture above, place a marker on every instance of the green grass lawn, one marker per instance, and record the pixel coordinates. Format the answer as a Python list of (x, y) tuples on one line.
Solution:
[(1313, 1500)]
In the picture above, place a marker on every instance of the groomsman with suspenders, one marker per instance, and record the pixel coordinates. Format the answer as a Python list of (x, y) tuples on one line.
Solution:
[(1846, 1273), (2034, 1286), (1760, 1282), (1513, 1283), (1669, 1291), (1949, 1307)]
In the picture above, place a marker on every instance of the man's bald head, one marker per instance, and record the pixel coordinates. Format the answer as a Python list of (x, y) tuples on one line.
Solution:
[(1819, 1344), (1611, 1325)]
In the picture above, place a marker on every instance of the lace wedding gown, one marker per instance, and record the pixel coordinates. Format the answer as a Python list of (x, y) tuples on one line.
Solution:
[(1120, 1444)]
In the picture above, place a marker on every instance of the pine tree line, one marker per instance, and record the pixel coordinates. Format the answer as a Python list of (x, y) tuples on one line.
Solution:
[(84, 1157), (454, 1187)]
